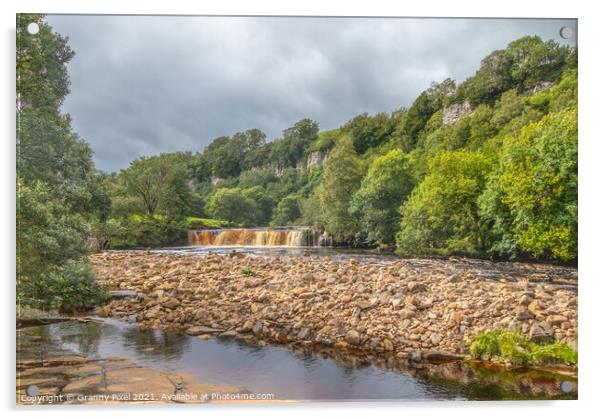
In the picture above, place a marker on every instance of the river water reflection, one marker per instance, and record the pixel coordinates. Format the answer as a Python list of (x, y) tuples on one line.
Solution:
[(295, 374)]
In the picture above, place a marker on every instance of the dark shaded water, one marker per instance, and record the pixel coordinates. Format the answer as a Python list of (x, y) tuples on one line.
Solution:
[(290, 374)]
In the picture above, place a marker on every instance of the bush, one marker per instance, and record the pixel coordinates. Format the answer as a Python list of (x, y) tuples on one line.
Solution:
[(145, 231), (517, 348), (71, 288), (441, 215), (198, 223)]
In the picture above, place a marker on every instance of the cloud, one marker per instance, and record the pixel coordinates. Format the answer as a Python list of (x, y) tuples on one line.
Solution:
[(142, 85)]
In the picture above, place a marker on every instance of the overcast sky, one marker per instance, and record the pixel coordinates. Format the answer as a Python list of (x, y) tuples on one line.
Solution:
[(142, 85)]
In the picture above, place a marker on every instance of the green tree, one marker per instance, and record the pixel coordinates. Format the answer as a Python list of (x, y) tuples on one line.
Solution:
[(531, 202), (159, 182), (441, 215), (59, 191), (287, 212), (342, 177), (368, 131), (387, 184), (264, 205), (232, 205)]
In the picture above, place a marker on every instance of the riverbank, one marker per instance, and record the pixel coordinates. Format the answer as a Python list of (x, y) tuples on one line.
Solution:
[(405, 308)]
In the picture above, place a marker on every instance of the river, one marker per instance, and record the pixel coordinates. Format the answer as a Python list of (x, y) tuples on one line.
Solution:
[(294, 373)]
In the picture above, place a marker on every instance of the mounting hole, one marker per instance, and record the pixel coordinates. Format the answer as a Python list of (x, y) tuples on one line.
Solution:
[(566, 32), (566, 386), (33, 28)]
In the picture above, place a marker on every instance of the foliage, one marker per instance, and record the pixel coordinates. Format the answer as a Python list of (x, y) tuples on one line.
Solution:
[(70, 288), (232, 205), (368, 132), (287, 212), (532, 201), (387, 184), (342, 176), (159, 182), (517, 348), (48, 234), (248, 272), (59, 191), (522, 65), (144, 230), (199, 223), (502, 180), (441, 215)]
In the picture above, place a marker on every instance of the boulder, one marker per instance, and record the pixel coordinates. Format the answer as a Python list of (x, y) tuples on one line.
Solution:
[(353, 337), (170, 303), (556, 320), (201, 330), (541, 332), (257, 328), (441, 356), (387, 345)]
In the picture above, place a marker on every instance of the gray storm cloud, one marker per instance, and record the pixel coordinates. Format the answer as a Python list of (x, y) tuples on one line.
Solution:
[(142, 85)]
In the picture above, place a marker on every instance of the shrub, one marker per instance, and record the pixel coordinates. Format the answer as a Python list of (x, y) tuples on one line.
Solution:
[(517, 348), (71, 288), (146, 231)]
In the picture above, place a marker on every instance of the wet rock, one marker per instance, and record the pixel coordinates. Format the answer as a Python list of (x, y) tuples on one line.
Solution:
[(352, 337), (257, 328), (304, 334), (247, 326), (103, 312), (199, 330), (441, 356), (121, 294), (387, 345), (415, 356)]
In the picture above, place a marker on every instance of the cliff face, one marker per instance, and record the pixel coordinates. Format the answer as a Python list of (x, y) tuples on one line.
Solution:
[(453, 113), (316, 158)]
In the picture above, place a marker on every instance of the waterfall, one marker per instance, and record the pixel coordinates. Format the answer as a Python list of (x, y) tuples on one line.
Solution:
[(255, 237)]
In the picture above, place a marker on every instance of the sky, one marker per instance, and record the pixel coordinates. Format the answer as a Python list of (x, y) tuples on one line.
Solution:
[(143, 85)]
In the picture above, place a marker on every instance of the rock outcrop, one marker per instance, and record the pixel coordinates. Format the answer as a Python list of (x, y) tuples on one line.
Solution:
[(453, 113)]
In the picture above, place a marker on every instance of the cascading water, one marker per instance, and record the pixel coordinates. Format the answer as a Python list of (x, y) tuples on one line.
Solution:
[(299, 237)]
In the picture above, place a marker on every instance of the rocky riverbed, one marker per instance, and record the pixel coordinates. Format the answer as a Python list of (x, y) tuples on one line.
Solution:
[(404, 308)]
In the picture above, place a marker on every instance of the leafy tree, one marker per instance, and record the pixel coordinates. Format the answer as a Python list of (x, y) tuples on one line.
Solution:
[(342, 177), (58, 189), (531, 203), (289, 150), (263, 202), (287, 211), (368, 131), (425, 105), (441, 215), (159, 182), (42, 78), (232, 205), (48, 233), (522, 65), (387, 184)]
